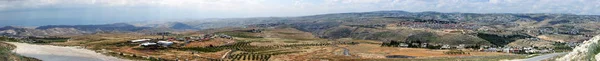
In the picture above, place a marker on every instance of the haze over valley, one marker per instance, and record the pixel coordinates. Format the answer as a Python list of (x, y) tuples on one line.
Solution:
[(299, 30)]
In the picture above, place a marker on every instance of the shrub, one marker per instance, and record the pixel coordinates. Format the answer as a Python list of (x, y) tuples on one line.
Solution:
[(455, 52)]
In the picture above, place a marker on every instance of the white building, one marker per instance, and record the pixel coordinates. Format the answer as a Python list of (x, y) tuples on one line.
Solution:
[(139, 40), (148, 44), (165, 43)]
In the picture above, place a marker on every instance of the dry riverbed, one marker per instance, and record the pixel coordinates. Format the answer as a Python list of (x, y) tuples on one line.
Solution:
[(59, 53)]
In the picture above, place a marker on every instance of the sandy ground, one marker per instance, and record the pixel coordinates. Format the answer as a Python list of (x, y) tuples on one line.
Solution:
[(58, 53)]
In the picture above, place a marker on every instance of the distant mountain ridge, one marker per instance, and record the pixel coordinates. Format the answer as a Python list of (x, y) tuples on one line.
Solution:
[(57, 30), (170, 25), (18, 31), (8, 27), (178, 25), (96, 28), (339, 25)]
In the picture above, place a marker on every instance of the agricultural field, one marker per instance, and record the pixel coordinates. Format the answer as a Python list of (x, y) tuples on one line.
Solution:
[(260, 44)]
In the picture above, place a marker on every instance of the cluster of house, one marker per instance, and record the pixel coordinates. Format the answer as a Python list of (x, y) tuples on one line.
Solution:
[(181, 40), (439, 25), (518, 50), (550, 30), (266, 25), (254, 30), (427, 45), (152, 43)]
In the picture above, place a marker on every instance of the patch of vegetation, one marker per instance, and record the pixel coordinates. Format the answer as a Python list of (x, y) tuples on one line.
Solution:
[(122, 43), (311, 44), (399, 56), (457, 39), (260, 55), (7, 55), (299, 38), (319, 44), (424, 37), (287, 33), (291, 41), (135, 57), (436, 21), (595, 49), (8, 39), (367, 26), (250, 56), (500, 40), (240, 46), (255, 40), (385, 34), (454, 51), (49, 40), (561, 47), (339, 33), (239, 34)]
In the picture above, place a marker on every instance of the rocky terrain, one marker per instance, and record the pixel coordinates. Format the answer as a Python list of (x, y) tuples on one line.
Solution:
[(588, 51)]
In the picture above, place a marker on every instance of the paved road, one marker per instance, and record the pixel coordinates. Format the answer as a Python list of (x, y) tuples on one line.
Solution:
[(541, 57), (58, 53)]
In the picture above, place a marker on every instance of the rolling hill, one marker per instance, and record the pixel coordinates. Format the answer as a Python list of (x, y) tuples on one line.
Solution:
[(432, 27)]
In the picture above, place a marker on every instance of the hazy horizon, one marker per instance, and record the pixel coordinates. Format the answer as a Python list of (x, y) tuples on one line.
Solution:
[(78, 12)]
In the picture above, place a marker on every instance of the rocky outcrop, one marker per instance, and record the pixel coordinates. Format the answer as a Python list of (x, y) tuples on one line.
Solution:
[(588, 51)]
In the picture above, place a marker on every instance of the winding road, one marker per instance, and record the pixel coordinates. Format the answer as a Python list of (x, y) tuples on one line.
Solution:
[(58, 53), (541, 57)]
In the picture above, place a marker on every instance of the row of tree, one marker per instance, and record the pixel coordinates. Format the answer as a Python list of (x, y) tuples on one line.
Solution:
[(247, 56)]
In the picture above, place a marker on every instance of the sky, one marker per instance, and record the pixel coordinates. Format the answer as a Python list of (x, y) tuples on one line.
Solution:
[(78, 12)]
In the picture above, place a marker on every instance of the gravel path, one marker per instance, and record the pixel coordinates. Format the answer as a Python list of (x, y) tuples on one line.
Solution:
[(58, 53)]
